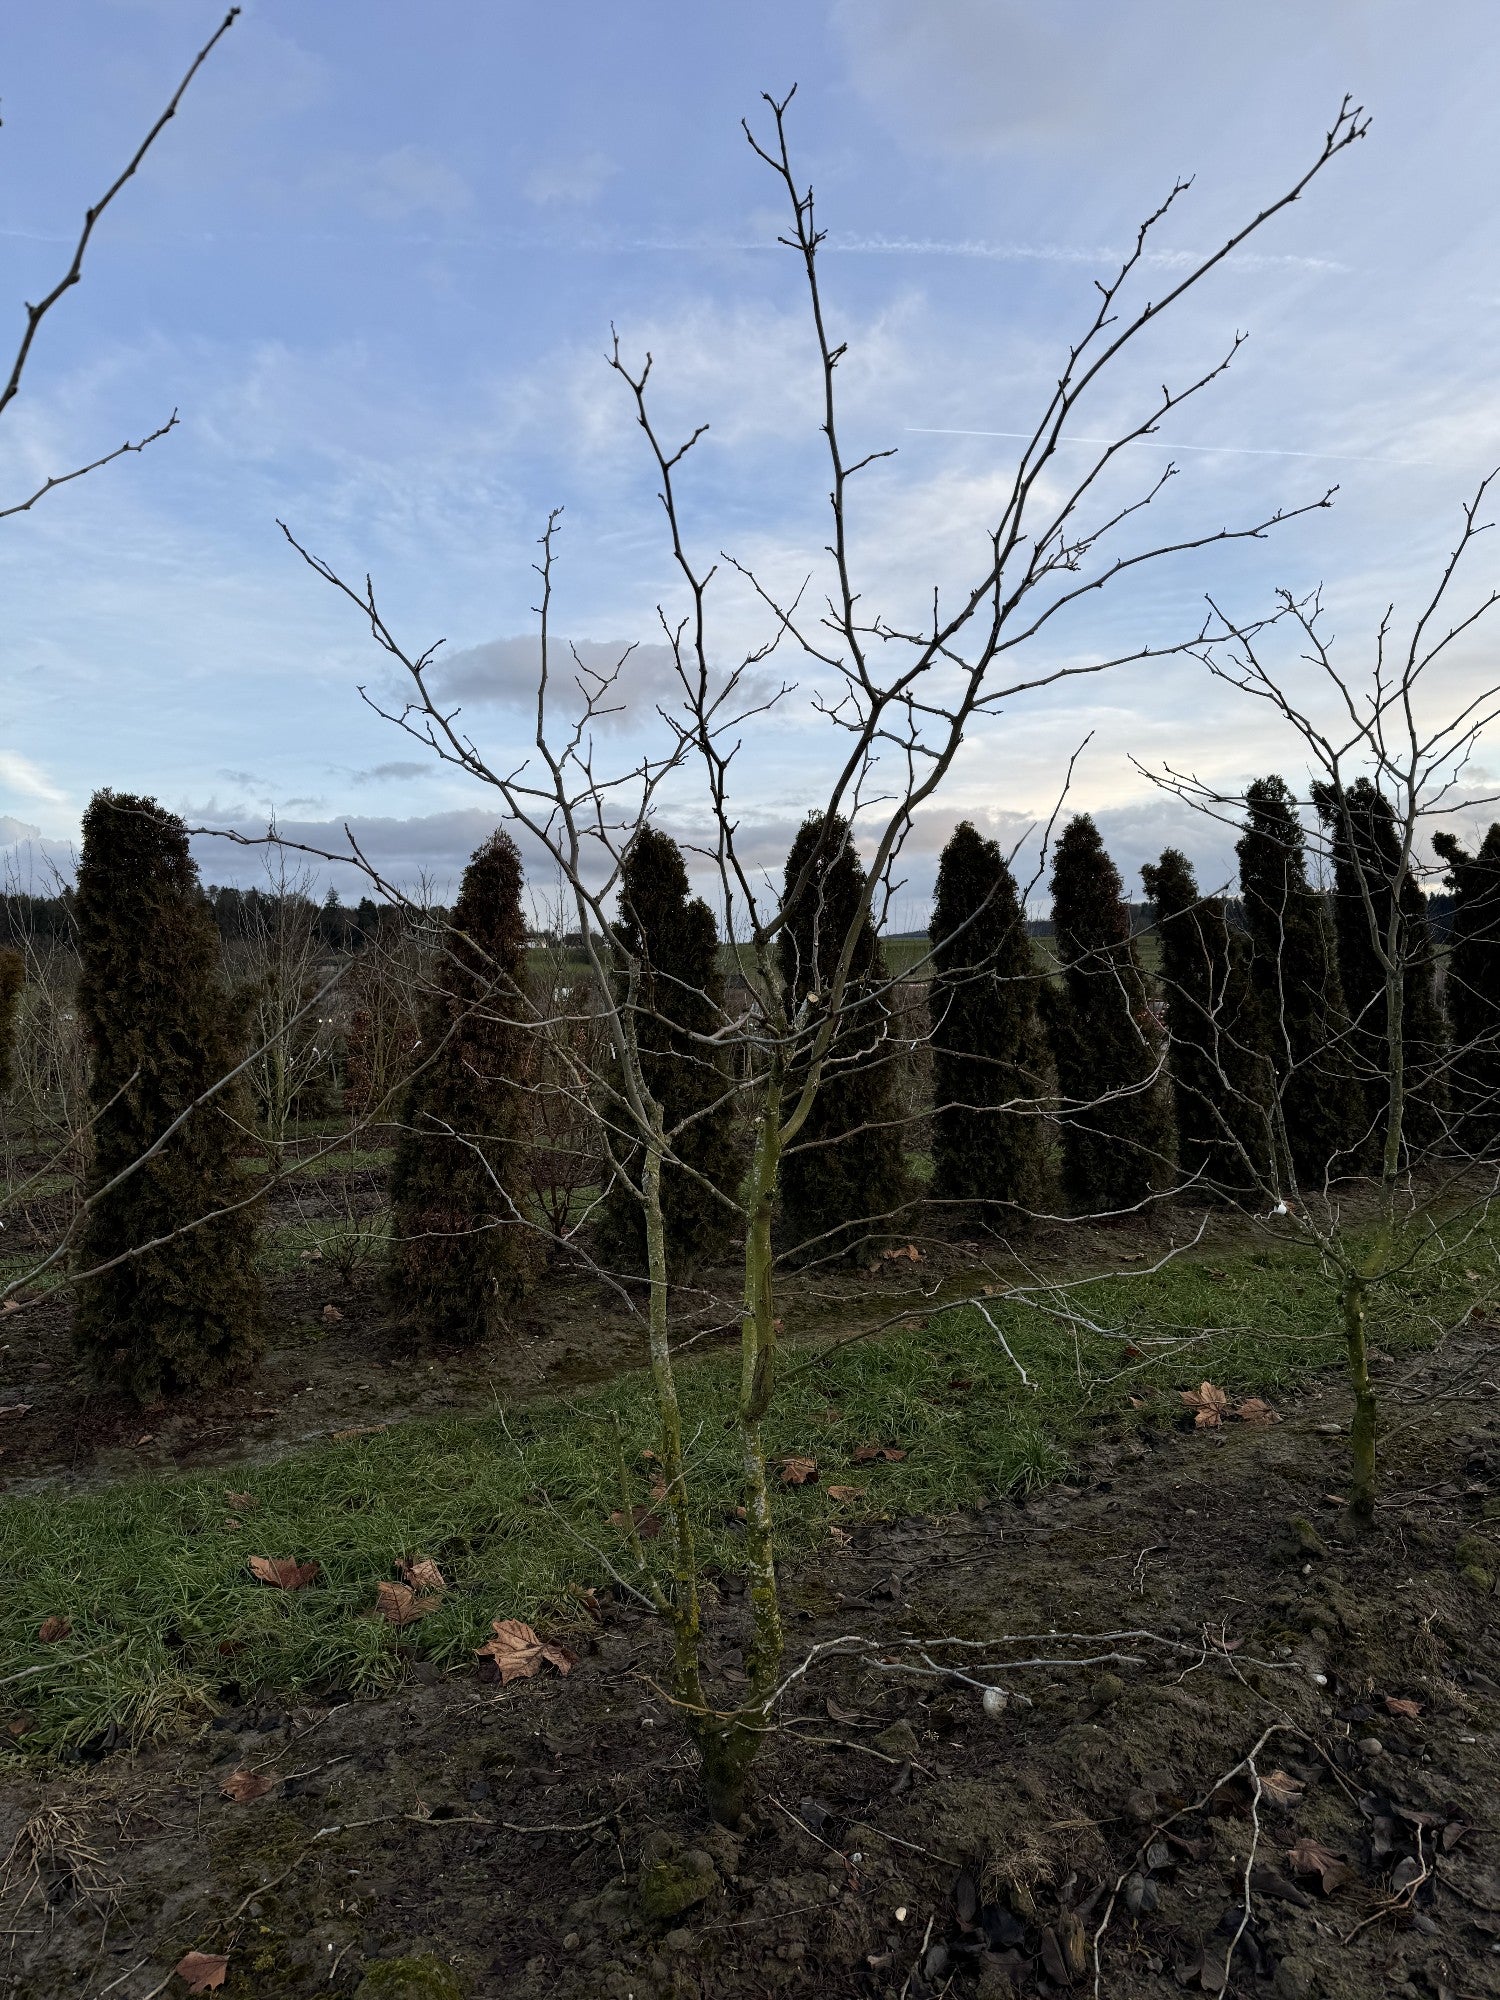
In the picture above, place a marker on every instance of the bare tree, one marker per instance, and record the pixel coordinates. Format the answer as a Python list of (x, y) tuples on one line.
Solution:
[(1388, 747), (898, 700), (73, 275)]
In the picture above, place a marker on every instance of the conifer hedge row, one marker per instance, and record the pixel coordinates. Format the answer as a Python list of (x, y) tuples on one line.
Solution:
[(1059, 1076)]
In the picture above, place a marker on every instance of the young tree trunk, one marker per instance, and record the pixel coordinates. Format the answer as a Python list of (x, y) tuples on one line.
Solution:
[(1362, 1431), (728, 1745)]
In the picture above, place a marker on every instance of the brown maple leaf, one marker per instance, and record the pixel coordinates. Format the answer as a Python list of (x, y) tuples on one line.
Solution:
[(1253, 1410), (245, 1786), (285, 1572), (203, 1971), (331, 1315), (518, 1652), (399, 1604), (241, 1503), (1398, 1704), (422, 1573), (54, 1628), (1311, 1857), (845, 1492), (1281, 1788), (866, 1454), (1207, 1404), (797, 1471)]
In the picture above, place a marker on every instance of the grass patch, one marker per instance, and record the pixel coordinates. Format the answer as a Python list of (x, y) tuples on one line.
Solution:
[(165, 1618)]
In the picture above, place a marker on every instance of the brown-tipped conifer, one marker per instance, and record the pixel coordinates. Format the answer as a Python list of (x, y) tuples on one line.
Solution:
[(1473, 990), (462, 1252), (844, 1176), (1221, 1080), (1115, 1113), (988, 1049), (679, 1002), (162, 1030)]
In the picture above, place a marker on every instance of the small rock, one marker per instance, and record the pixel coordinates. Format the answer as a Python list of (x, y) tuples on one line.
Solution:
[(899, 1740), (1370, 1746), (672, 1883), (1106, 1690), (423, 1977), (572, 1941)]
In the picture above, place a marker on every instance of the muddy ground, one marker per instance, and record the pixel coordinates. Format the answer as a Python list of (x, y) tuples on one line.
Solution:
[(468, 1839)]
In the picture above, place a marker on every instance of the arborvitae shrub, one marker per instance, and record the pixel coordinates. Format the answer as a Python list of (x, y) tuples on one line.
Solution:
[(847, 1171), (1220, 1076), (1117, 1135), (1295, 975), (460, 1260), (1473, 990), (988, 1049), (161, 1029), (679, 1002), (1366, 847), (12, 979)]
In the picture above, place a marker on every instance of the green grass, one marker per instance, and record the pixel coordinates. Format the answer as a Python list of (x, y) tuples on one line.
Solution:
[(167, 1621)]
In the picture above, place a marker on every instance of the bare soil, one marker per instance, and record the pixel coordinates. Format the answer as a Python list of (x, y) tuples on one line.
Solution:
[(546, 1838)]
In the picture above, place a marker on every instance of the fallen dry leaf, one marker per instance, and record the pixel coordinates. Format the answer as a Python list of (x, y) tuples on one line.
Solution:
[(245, 1786), (845, 1492), (283, 1571), (1397, 1704), (54, 1628), (1281, 1788), (1254, 1411), (519, 1653), (1207, 1404), (331, 1315), (423, 1574), (646, 1521), (797, 1471), (15, 1409), (354, 1431), (1311, 1857), (10, 1306), (866, 1454), (204, 1971), (242, 1503), (840, 1537), (399, 1604)]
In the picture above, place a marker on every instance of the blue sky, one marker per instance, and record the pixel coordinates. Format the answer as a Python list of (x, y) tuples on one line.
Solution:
[(374, 265)]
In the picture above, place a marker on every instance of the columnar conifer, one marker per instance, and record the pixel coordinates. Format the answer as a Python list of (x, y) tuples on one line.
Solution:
[(988, 1048), (679, 1003), (1473, 989), (1220, 1077), (162, 1031), (847, 1169), (1376, 898), (460, 1258), (12, 979), (1116, 1121), (1295, 975)]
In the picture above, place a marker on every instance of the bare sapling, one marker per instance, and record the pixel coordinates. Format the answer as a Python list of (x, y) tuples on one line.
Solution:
[(1408, 1171), (896, 699)]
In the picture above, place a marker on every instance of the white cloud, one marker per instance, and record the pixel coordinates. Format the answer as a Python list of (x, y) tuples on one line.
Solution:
[(396, 186), (22, 775), (568, 182)]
